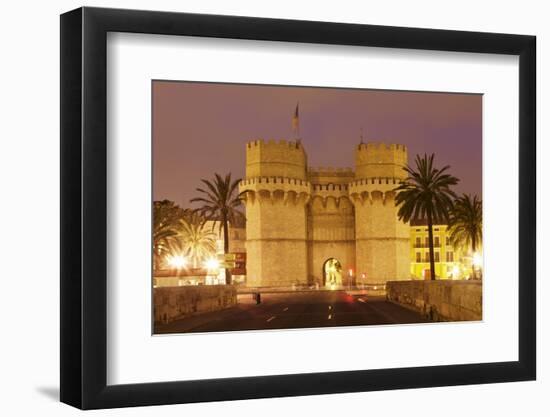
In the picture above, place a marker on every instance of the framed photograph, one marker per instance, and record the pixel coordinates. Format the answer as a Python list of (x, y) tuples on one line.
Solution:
[(259, 208)]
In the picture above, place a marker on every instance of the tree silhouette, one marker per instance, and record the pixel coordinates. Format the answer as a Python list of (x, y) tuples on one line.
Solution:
[(425, 195), (220, 201), (195, 240), (465, 226), (166, 218)]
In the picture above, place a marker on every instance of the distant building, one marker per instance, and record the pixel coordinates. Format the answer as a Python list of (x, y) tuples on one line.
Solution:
[(448, 260)]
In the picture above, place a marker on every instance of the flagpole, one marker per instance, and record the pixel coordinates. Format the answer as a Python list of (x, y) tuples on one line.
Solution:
[(296, 123)]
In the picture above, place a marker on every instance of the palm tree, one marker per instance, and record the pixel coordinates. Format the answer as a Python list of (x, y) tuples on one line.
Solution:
[(220, 202), (166, 217), (465, 226), (195, 241), (425, 195)]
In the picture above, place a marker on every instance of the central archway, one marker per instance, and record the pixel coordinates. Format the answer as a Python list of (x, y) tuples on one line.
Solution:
[(332, 273)]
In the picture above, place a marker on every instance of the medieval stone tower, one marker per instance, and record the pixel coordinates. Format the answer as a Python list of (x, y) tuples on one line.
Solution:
[(276, 199), (381, 240), (300, 219)]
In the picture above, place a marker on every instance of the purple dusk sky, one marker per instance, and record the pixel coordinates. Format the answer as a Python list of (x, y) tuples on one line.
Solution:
[(202, 128)]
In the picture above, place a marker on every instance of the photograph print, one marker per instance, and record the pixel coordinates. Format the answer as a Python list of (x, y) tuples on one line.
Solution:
[(285, 207)]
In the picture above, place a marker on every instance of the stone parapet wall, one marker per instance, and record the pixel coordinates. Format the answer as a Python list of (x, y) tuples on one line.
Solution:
[(440, 300), (172, 303)]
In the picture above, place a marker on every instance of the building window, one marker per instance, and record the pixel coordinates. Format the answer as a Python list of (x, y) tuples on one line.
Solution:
[(427, 257), (436, 256), (447, 240), (427, 242), (436, 229), (436, 243), (450, 257), (418, 244), (418, 257)]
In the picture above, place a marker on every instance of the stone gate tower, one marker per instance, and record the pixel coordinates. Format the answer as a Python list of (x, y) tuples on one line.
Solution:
[(276, 199), (381, 240), (299, 218)]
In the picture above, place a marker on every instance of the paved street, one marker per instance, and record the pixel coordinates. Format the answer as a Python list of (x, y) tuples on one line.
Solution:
[(296, 310)]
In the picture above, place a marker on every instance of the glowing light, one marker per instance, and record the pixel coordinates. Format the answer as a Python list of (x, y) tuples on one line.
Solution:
[(350, 272), (477, 260), (177, 261), (455, 272), (212, 264)]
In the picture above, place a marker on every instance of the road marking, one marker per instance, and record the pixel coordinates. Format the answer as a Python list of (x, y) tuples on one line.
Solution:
[(285, 309), (329, 316), (271, 318), (360, 299)]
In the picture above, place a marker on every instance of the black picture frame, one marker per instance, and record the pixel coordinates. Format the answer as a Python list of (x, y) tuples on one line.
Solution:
[(84, 207)]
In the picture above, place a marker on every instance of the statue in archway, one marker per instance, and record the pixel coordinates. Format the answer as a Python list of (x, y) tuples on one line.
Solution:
[(333, 273)]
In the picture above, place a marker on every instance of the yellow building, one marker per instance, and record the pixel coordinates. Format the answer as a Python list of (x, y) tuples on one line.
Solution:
[(449, 262)]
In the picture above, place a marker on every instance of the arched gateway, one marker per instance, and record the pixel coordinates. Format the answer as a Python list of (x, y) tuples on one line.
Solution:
[(332, 273)]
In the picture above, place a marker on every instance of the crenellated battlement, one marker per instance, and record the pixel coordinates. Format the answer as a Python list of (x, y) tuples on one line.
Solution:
[(369, 185), (273, 143), (330, 170), (273, 189), (329, 187), (374, 160), (381, 146), (379, 180), (273, 180), (275, 158), (330, 175)]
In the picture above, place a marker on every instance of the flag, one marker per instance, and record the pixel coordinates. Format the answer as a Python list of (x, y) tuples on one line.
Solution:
[(296, 121)]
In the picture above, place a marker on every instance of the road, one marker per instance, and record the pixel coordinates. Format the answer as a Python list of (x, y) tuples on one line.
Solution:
[(296, 310)]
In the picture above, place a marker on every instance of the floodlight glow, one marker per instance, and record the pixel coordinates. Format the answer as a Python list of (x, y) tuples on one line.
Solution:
[(177, 261), (456, 271), (477, 260), (212, 264)]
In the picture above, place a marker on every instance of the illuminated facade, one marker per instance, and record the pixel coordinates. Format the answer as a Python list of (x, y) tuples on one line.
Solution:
[(323, 226), (450, 263)]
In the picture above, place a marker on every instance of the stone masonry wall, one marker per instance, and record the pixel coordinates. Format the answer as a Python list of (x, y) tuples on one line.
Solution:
[(444, 300), (172, 303)]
